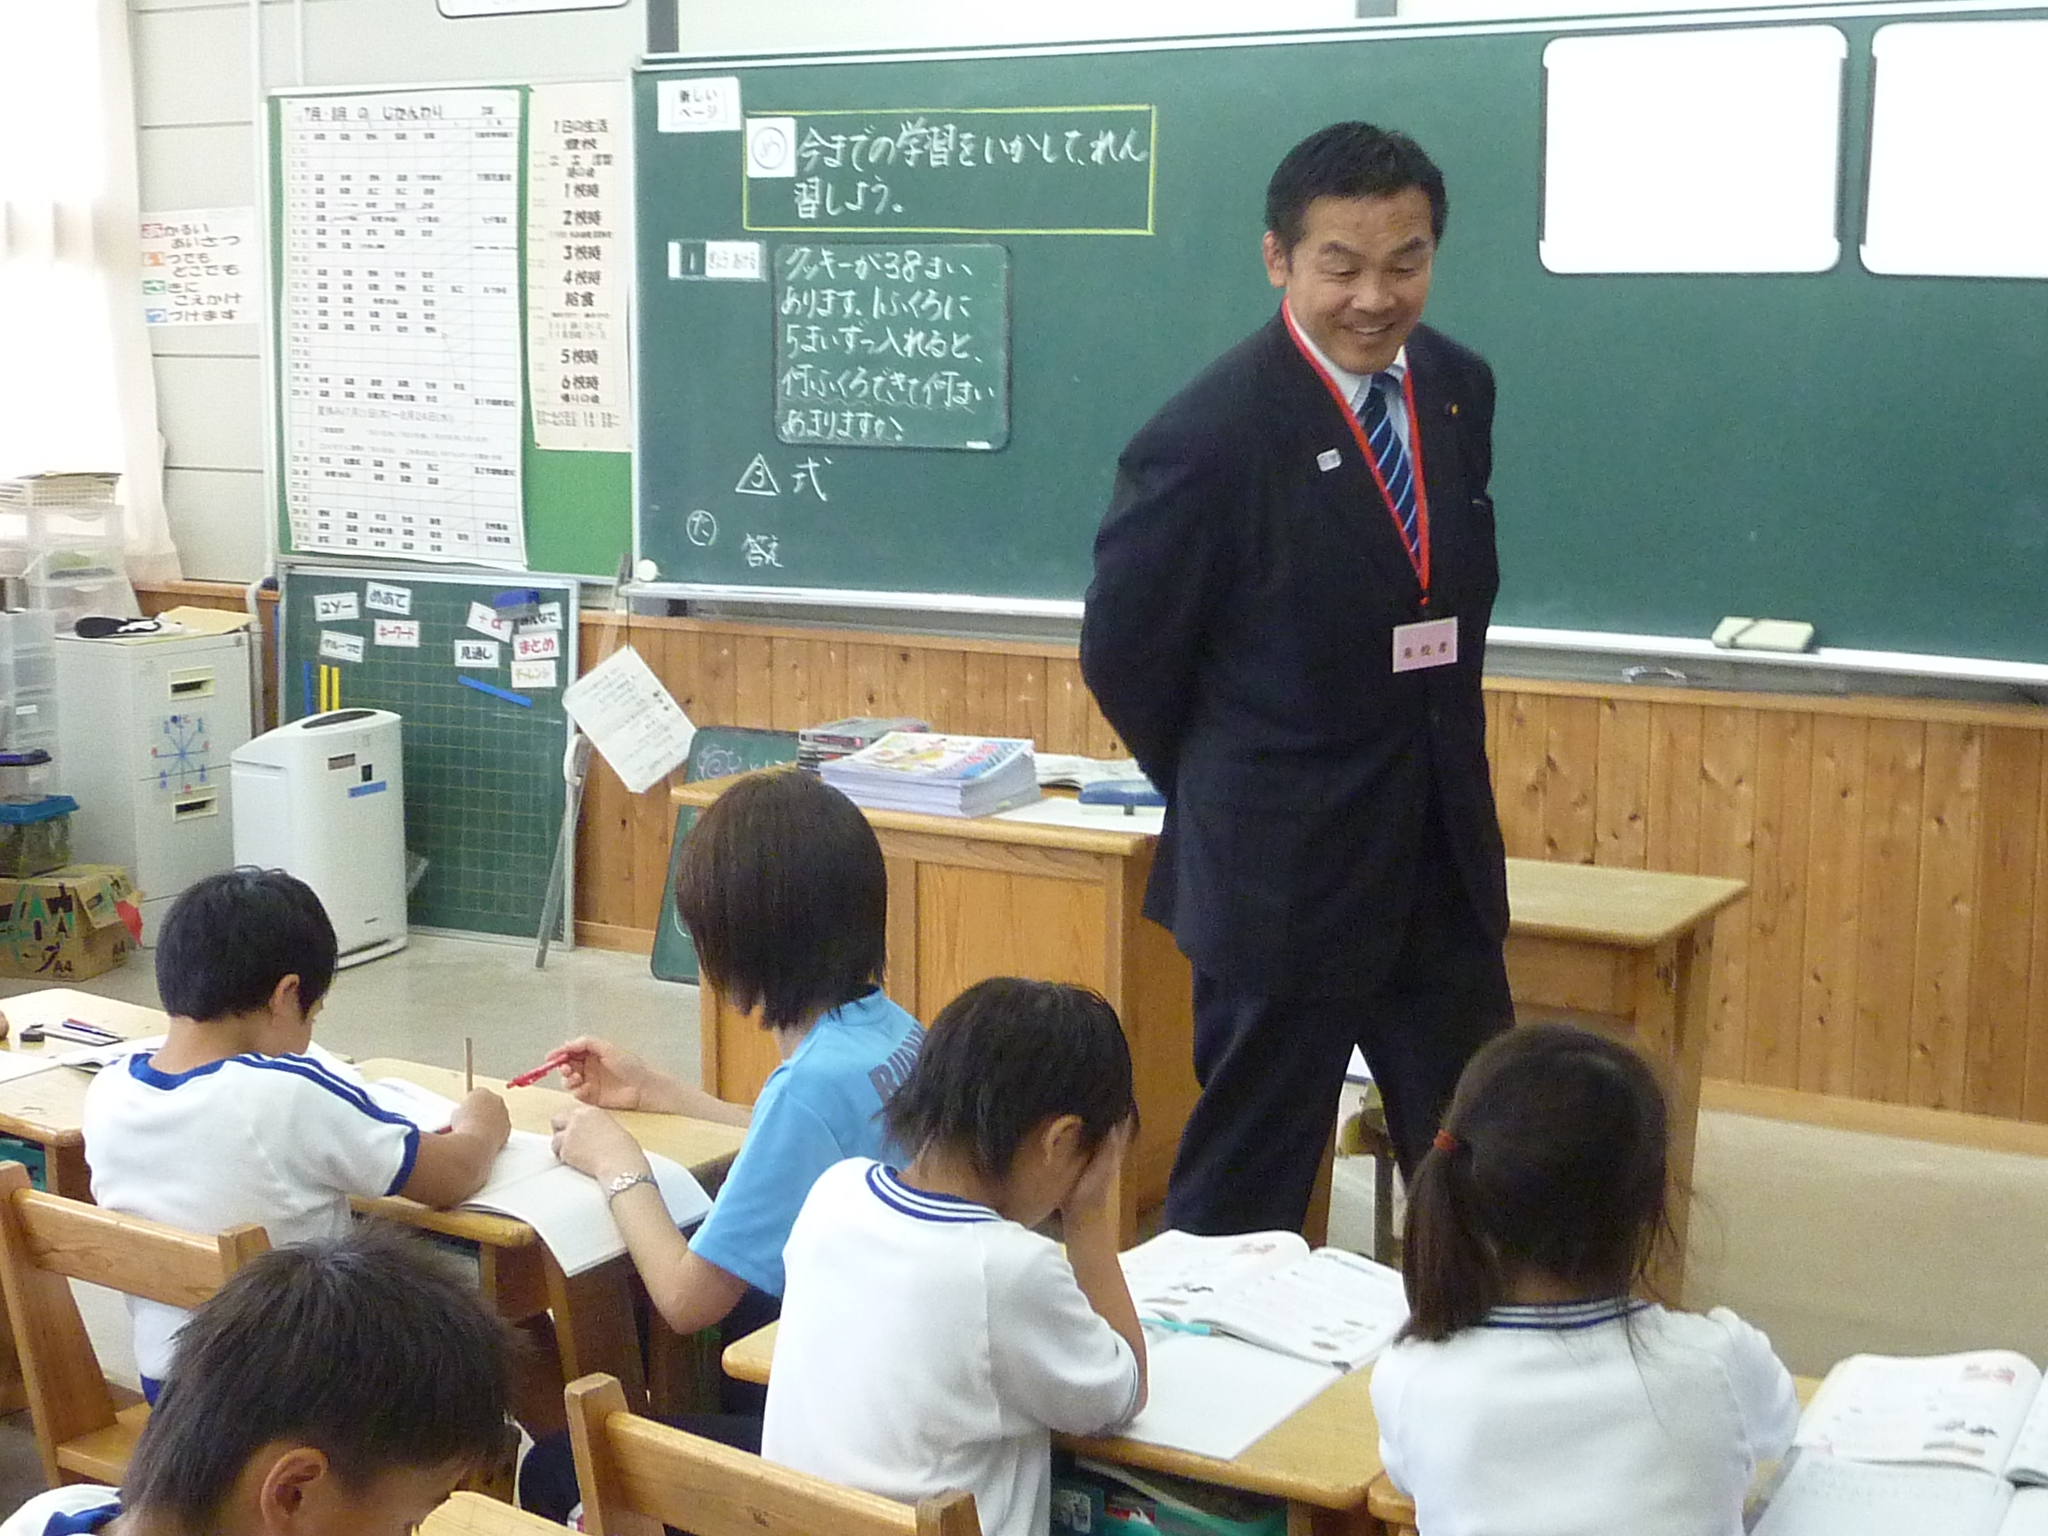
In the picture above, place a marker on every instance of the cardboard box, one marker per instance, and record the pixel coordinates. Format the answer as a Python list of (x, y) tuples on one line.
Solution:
[(69, 924)]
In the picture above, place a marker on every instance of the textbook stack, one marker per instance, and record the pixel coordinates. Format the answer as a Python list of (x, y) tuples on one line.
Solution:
[(1939, 1445), (817, 745), (938, 775)]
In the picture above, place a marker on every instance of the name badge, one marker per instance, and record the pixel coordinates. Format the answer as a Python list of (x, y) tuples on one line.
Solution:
[(1425, 644)]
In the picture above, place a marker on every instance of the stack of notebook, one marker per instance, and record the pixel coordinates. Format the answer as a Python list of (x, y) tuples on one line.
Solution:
[(939, 775), (817, 745)]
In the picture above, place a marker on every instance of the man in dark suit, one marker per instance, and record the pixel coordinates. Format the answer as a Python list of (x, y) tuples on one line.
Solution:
[(1286, 625)]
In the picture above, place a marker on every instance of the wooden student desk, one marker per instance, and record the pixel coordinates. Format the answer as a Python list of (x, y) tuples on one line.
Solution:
[(471, 1514), (973, 898), (1321, 1460), (1324, 1460), (593, 1312)]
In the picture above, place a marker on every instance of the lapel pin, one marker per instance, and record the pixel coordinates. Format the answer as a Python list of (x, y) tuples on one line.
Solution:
[(1328, 460), (1453, 407)]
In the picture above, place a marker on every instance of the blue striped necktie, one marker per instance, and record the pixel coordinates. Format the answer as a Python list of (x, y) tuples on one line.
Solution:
[(1391, 457)]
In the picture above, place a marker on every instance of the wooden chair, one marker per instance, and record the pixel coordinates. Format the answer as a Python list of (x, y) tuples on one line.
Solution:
[(471, 1514), (46, 1242), (638, 1475), (1387, 1504), (1365, 1134)]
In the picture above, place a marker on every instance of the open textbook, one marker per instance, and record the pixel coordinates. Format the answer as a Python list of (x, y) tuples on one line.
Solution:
[(1936, 1445), (1268, 1288), (1243, 1331), (530, 1184)]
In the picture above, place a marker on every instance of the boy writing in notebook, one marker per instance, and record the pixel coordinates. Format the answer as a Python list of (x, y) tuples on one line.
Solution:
[(930, 1339), (331, 1389), (230, 1120)]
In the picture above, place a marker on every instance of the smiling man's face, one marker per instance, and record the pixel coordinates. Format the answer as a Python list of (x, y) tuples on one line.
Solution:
[(1357, 279)]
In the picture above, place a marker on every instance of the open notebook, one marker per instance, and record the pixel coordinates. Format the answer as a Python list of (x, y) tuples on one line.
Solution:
[(529, 1183), (1931, 1445), (1243, 1331)]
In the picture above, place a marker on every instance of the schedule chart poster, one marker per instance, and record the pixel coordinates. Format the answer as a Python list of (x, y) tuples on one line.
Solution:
[(403, 368)]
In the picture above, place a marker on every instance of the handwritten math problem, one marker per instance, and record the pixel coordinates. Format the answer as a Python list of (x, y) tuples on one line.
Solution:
[(892, 346)]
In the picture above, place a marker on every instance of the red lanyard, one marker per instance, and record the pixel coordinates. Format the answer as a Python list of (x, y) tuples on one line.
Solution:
[(1418, 556)]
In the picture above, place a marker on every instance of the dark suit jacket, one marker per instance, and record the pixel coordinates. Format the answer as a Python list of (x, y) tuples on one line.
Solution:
[(1239, 636)]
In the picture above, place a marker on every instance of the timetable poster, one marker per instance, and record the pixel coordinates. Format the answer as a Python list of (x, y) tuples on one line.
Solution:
[(403, 409)]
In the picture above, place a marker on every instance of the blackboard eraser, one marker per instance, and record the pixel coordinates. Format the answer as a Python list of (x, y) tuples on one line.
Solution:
[(1734, 634)]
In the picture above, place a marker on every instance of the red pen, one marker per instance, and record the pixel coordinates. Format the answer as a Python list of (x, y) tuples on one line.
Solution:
[(554, 1063)]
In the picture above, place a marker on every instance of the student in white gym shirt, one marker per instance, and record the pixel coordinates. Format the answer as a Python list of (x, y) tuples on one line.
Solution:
[(1534, 1392), (931, 1340)]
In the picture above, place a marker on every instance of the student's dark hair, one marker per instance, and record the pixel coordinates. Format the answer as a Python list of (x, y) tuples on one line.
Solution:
[(1350, 160), (782, 886), (367, 1347), (231, 938), (1006, 1055), (1551, 1160)]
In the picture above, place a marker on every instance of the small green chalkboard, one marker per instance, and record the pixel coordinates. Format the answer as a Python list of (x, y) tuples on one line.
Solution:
[(717, 752), (483, 746), (893, 346)]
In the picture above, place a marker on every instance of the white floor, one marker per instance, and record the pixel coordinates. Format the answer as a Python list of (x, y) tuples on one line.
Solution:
[(1831, 1241)]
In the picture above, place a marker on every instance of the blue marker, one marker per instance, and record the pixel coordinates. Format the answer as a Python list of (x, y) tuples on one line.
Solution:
[(495, 692), (308, 680)]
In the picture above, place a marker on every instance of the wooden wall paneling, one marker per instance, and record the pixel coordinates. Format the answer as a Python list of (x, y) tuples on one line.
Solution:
[(1571, 760), (985, 694), (1068, 707), (2036, 1105), (1831, 942), (718, 679), (789, 700), (1943, 928), (1026, 712), (1102, 740), (1776, 909), (753, 675), (1494, 697), (1524, 772), (1894, 778), (831, 690), (905, 691), (652, 819), (945, 690), (1728, 747), (867, 680), (1671, 841), (1621, 784), (1995, 1048)]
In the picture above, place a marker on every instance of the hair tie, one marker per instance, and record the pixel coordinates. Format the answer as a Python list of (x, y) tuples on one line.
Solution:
[(1445, 1142)]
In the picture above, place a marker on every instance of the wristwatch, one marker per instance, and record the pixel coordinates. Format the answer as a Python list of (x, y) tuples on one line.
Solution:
[(623, 1182)]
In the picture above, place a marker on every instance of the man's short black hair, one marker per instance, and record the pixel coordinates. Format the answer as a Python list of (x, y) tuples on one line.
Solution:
[(782, 886), (367, 1347), (230, 939), (1007, 1055), (1350, 160)]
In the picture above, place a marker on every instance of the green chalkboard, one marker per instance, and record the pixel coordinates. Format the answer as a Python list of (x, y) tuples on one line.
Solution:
[(483, 771), (577, 504), (1863, 452)]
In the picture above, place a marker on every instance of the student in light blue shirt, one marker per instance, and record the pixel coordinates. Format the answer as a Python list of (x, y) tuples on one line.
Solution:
[(782, 886)]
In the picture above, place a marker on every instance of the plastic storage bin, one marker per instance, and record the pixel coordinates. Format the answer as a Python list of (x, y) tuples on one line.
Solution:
[(35, 835), (24, 775)]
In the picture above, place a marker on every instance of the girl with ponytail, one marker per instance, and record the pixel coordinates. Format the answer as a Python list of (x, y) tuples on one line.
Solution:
[(1536, 1388)]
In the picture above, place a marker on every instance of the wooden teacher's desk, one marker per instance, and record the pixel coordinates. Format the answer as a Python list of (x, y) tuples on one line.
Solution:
[(974, 898), (969, 899)]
